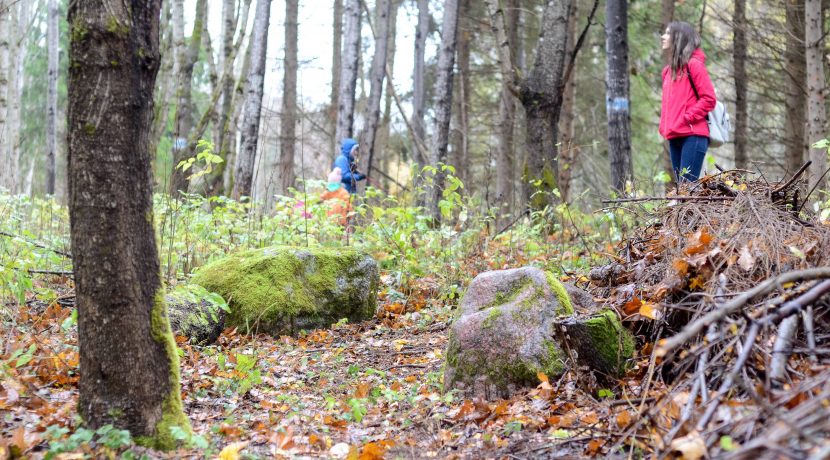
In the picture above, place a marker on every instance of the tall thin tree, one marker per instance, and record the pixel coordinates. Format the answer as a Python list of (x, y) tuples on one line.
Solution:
[(443, 102), (336, 64), (244, 171), (51, 94), (816, 87), (796, 78), (418, 75), (288, 117), (618, 107), (739, 57), (376, 79), (129, 367), (349, 71)]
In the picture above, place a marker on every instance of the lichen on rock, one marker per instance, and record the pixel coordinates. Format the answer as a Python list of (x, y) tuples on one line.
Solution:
[(196, 313), (282, 290), (504, 335)]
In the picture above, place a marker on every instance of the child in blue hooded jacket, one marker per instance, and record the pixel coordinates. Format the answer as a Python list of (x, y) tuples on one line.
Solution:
[(347, 162)]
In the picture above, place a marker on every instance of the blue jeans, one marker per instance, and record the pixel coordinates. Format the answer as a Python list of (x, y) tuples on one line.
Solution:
[(687, 155)]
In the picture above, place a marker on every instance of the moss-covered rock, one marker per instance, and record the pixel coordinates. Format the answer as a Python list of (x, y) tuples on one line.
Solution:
[(196, 313), (504, 335), (282, 290), (601, 342)]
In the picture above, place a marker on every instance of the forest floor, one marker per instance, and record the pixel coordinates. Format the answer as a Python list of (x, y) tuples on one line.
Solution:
[(368, 390)]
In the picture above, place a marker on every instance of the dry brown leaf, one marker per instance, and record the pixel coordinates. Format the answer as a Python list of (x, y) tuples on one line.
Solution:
[(746, 261), (690, 447)]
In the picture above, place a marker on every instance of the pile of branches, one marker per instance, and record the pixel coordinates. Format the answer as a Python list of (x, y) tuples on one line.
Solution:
[(726, 289)]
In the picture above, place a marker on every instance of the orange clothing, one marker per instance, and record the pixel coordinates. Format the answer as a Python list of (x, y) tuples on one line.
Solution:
[(339, 203)]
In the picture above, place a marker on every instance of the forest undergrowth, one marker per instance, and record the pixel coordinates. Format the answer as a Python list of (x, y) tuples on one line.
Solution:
[(374, 389)]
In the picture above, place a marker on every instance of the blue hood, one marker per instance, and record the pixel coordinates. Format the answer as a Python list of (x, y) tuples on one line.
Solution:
[(346, 148)]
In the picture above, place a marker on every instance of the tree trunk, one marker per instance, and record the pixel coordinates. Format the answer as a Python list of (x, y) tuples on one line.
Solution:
[(288, 117), (816, 84), (243, 176), (129, 367), (443, 104), (348, 75), (569, 150), (336, 68), (618, 105), (5, 43), (796, 99), (418, 87), (164, 84), (541, 96), (187, 55), (20, 27), (461, 133), (739, 48), (378, 72), (382, 142), (51, 95)]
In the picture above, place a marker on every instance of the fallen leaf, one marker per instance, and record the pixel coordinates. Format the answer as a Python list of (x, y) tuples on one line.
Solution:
[(690, 447), (650, 311), (623, 419), (746, 261), (231, 451)]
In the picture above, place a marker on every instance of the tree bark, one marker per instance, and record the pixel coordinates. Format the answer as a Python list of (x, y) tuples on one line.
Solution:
[(187, 55), (618, 105), (17, 58), (667, 15), (164, 84), (129, 365), (507, 116), (796, 98), (243, 176), (51, 94), (443, 104), (569, 150), (288, 116), (336, 68), (739, 48), (816, 85), (460, 135), (348, 74), (378, 72), (5, 43), (418, 87)]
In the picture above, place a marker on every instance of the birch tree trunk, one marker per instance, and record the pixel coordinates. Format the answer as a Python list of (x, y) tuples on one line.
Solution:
[(418, 88), (569, 151), (51, 94), (243, 176), (187, 55), (376, 79), (5, 43), (288, 116), (128, 364), (348, 74), (336, 68), (796, 99), (618, 105), (443, 104), (382, 142), (19, 29), (164, 84), (739, 47), (816, 86)]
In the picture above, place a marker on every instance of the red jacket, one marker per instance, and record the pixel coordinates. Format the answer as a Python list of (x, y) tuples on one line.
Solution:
[(681, 113)]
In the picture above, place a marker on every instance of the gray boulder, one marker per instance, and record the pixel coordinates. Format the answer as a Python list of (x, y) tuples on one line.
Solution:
[(515, 323), (196, 313), (504, 335)]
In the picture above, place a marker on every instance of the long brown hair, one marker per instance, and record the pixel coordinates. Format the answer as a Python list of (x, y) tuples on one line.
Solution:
[(684, 40)]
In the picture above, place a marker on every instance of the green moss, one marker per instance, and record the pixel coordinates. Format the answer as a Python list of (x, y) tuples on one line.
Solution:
[(565, 306), (89, 129), (613, 344), (172, 411), (267, 288), (115, 27), (78, 30), (492, 315)]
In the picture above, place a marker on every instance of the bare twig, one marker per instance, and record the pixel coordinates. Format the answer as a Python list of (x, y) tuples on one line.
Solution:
[(669, 198)]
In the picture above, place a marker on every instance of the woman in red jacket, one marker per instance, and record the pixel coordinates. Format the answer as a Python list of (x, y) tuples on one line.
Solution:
[(688, 96)]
